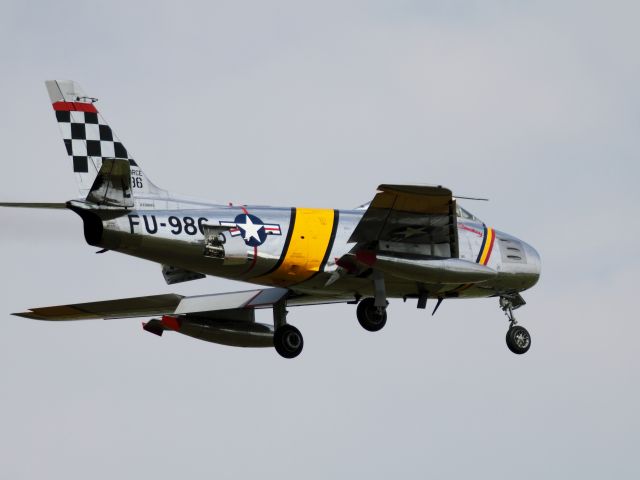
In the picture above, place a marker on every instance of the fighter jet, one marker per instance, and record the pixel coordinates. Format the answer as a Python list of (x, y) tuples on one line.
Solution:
[(411, 242)]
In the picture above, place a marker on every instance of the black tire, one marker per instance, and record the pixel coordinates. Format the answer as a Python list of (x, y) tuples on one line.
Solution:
[(288, 341), (371, 317), (518, 340)]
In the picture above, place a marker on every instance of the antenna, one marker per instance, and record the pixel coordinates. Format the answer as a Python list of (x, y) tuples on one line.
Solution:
[(472, 198)]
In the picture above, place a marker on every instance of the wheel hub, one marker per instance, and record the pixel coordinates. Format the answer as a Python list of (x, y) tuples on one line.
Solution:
[(292, 341), (521, 340), (376, 315)]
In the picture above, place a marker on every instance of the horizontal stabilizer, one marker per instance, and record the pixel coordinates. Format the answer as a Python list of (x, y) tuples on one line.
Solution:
[(34, 205)]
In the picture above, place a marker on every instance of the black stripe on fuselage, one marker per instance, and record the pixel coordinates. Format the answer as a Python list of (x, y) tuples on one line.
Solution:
[(484, 242), (287, 241), (332, 238)]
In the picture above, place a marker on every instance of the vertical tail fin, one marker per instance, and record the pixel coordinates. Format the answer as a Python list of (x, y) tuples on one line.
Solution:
[(89, 140)]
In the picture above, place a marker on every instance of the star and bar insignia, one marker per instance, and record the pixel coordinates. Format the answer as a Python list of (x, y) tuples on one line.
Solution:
[(253, 231)]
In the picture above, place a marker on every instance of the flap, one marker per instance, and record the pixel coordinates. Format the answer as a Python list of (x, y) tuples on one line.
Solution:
[(232, 300)]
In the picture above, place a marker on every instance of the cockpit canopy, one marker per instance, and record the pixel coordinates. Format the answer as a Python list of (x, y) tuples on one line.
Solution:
[(466, 215)]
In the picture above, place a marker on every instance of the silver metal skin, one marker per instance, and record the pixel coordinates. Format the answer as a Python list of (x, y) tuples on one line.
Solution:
[(409, 242), (148, 234)]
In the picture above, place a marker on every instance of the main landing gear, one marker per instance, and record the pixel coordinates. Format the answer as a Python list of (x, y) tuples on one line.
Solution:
[(518, 338), (372, 312), (287, 339), (371, 318)]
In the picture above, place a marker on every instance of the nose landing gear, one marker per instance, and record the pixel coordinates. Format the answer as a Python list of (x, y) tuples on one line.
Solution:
[(518, 338)]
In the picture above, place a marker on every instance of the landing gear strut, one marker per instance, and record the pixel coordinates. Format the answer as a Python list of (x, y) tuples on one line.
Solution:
[(518, 338), (371, 318), (287, 339)]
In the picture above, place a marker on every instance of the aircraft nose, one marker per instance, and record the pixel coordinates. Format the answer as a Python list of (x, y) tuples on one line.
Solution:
[(533, 260), (520, 263)]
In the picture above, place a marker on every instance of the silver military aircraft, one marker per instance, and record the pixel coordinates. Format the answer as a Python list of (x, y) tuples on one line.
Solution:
[(410, 242)]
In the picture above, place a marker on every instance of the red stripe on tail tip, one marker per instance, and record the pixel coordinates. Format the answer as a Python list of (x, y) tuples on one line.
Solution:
[(74, 107)]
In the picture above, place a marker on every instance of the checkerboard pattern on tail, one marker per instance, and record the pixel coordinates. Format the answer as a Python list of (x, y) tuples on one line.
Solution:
[(89, 140), (86, 135)]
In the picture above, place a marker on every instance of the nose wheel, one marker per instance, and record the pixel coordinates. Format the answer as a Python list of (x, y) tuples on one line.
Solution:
[(518, 338)]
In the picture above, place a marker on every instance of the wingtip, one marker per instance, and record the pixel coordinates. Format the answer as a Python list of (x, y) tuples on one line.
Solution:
[(30, 315)]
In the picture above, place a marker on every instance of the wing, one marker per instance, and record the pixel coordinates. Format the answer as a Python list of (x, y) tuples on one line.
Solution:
[(236, 305), (409, 219)]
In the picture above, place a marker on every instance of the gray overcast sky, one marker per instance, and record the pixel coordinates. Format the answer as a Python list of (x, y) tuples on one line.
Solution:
[(534, 105)]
